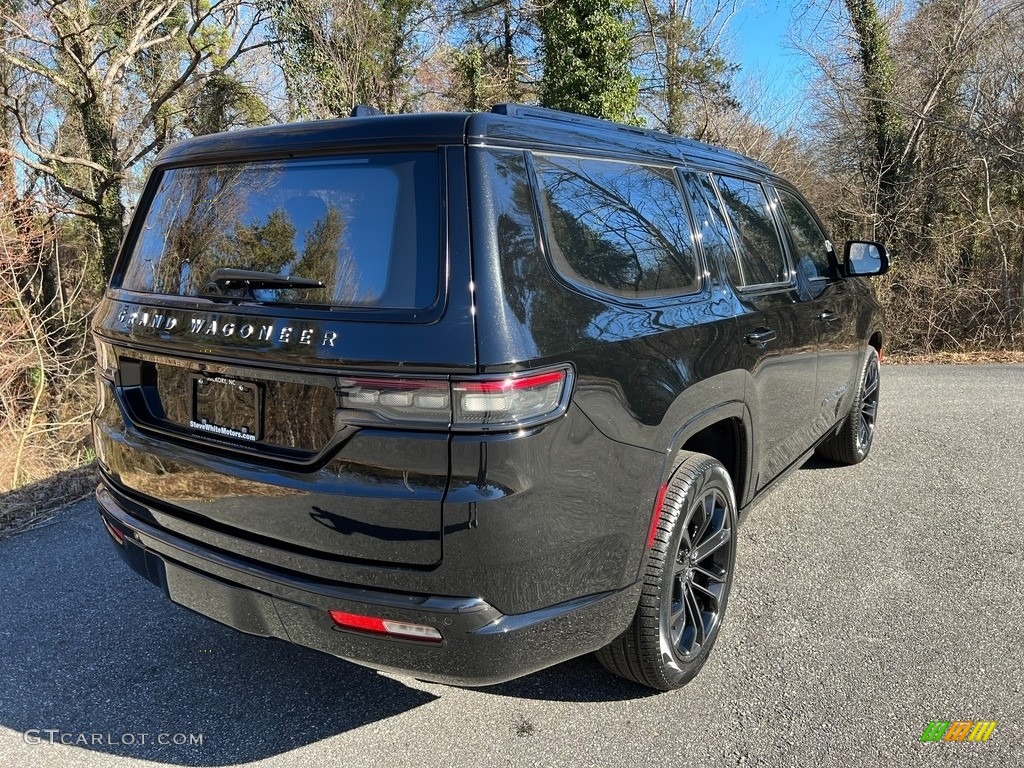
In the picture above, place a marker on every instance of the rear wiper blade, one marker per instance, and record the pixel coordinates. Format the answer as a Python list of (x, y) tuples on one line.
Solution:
[(248, 278)]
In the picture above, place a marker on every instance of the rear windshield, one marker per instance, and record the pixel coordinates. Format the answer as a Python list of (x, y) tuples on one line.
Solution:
[(366, 227)]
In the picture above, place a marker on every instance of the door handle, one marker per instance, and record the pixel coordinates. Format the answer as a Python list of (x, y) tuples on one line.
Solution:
[(760, 337), (828, 316)]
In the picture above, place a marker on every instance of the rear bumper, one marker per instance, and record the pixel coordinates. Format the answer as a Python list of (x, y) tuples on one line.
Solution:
[(481, 646)]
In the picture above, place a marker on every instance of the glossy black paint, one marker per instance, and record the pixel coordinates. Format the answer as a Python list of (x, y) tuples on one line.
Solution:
[(481, 645), (530, 543)]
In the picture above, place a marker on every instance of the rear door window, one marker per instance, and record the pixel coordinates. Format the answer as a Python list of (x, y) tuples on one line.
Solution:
[(762, 260), (366, 227), (812, 247), (617, 227)]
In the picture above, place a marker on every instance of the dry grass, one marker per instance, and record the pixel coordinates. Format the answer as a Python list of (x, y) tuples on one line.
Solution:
[(35, 505), (931, 314), (956, 358), (46, 381)]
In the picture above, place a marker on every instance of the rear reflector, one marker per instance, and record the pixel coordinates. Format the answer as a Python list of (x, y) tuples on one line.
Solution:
[(482, 404), (115, 533), (388, 627)]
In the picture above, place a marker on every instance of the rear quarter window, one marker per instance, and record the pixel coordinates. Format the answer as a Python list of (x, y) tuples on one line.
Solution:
[(366, 227), (617, 227)]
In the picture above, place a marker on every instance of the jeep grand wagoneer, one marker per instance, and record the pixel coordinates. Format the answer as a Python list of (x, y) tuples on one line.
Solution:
[(467, 395)]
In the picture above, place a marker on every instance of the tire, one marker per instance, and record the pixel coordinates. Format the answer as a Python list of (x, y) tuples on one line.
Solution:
[(664, 647), (852, 443)]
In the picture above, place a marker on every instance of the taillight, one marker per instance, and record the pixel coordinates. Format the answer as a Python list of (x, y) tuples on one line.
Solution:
[(396, 400), (485, 404), (509, 402)]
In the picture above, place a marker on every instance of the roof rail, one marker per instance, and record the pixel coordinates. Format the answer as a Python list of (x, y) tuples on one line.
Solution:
[(522, 110), (361, 110), (544, 113)]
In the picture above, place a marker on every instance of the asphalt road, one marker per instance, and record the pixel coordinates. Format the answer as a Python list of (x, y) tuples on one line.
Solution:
[(868, 601)]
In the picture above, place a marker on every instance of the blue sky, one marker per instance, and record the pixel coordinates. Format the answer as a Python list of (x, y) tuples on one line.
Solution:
[(760, 33), (759, 43)]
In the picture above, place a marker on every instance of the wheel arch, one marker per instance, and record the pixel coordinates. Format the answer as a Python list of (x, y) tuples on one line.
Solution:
[(724, 433), (876, 340)]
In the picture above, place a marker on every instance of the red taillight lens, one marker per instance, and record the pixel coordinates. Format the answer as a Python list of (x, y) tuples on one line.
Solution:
[(514, 401), (482, 405), (388, 627)]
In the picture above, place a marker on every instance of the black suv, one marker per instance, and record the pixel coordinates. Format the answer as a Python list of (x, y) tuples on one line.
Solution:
[(466, 395)]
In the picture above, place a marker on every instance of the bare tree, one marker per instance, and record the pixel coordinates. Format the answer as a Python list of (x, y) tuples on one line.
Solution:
[(919, 127), (341, 53), (96, 87), (686, 76)]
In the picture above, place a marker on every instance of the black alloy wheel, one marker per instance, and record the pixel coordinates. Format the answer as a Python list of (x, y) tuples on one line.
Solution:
[(700, 574), (868, 406), (852, 443), (686, 580)]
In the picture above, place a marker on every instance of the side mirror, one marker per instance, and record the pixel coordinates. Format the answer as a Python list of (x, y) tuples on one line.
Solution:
[(865, 259)]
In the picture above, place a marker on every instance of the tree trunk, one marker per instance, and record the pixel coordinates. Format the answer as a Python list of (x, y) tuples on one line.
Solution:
[(108, 210), (674, 98), (885, 129), (511, 89), (109, 219)]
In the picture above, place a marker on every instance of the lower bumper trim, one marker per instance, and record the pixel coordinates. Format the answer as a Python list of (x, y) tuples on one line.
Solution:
[(480, 645)]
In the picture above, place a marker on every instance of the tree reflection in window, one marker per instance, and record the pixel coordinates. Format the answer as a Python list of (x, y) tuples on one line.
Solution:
[(618, 226), (761, 258), (812, 247), (344, 222)]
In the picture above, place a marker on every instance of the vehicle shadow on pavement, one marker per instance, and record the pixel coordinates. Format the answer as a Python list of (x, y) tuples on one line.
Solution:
[(818, 463), (98, 659), (578, 680), (95, 658)]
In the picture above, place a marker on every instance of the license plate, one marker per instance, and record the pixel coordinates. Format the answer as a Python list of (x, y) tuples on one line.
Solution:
[(226, 407)]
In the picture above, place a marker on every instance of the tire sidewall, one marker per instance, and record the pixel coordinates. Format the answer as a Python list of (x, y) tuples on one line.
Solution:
[(712, 475), (861, 451)]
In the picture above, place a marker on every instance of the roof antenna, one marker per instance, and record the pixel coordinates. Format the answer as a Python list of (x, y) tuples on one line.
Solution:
[(361, 110)]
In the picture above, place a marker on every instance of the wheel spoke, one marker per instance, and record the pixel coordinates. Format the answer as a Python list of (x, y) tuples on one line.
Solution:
[(695, 615), (678, 610), (707, 508), (711, 572), (688, 540), (711, 544), (870, 409), (712, 591), (679, 568), (871, 384)]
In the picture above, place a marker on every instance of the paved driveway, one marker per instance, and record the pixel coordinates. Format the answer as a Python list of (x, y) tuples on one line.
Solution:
[(868, 601)]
